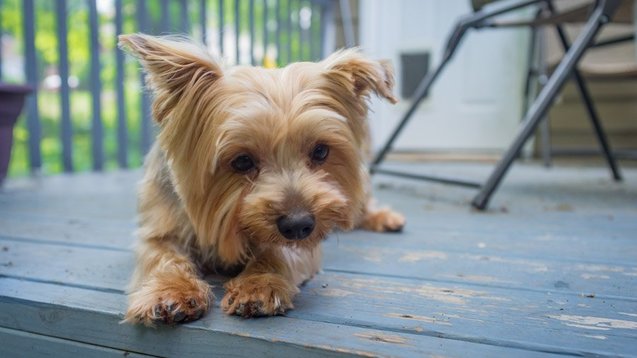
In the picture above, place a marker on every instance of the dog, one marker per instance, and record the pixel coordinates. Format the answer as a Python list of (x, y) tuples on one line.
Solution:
[(251, 170)]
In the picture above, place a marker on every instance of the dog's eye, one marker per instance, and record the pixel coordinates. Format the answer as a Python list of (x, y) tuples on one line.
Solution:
[(243, 163), (320, 153)]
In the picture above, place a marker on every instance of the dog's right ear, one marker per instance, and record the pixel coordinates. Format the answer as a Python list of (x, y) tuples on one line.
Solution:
[(175, 69)]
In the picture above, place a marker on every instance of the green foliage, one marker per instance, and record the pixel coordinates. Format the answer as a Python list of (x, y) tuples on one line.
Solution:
[(79, 57)]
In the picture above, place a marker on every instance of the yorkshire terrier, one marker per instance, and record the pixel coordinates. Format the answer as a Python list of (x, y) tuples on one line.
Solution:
[(251, 170)]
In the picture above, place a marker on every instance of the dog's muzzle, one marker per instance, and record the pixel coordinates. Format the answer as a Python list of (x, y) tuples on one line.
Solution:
[(296, 226)]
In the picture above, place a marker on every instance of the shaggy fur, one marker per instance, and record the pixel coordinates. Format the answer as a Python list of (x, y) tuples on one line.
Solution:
[(198, 212)]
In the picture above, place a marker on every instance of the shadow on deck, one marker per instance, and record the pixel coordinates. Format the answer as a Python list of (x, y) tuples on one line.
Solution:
[(551, 268)]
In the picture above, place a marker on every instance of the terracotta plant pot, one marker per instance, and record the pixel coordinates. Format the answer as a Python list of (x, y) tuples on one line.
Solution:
[(11, 103)]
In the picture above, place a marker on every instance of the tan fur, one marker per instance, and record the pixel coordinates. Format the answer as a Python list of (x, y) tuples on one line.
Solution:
[(198, 213)]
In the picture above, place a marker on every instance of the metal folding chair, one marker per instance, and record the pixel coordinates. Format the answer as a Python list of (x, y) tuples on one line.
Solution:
[(597, 14)]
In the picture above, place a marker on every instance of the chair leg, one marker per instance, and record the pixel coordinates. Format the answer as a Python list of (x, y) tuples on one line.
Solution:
[(532, 64), (539, 107), (592, 112)]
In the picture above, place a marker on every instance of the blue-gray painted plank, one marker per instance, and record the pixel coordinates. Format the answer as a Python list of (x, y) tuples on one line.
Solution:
[(97, 136), (473, 313), (122, 125), (403, 285), (33, 116), (66, 126), (93, 317), (16, 343), (604, 280)]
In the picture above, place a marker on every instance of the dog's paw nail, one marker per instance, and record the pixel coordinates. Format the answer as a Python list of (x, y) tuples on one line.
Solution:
[(157, 311), (179, 316), (198, 314)]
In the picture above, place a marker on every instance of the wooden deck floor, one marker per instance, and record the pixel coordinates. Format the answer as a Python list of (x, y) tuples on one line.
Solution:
[(551, 269)]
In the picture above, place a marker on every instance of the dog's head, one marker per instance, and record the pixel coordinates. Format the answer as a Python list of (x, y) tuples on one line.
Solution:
[(259, 155)]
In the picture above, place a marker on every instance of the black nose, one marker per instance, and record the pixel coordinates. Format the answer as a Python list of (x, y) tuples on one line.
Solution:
[(296, 226)]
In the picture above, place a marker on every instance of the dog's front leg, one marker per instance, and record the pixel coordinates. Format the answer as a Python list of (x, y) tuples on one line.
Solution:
[(268, 284), (166, 287)]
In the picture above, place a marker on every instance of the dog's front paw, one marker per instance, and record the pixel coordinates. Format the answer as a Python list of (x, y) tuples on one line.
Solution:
[(168, 302), (383, 220), (258, 295)]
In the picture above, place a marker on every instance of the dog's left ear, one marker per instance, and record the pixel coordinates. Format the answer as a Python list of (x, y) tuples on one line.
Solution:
[(361, 74)]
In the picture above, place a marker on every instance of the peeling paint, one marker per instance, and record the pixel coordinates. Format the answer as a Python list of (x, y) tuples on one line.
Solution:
[(368, 254), (333, 292), (385, 338), (594, 336), (628, 314), (588, 276), (423, 255), (425, 319), (599, 268), (454, 295), (482, 279), (596, 323), (346, 351), (532, 265)]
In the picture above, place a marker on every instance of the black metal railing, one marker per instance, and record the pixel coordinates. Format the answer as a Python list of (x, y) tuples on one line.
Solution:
[(102, 119)]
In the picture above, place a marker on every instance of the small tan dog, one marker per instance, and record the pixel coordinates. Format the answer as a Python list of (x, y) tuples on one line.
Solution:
[(252, 169)]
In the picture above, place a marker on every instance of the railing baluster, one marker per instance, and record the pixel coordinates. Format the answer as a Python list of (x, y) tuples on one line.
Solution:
[(1, 40), (66, 126), (221, 25), (346, 20), (288, 29), (165, 25), (299, 7), (286, 13), (277, 10), (145, 125), (307, 33), (203, 21), (328, 31), (122, 129), (33, 117), (237, 30), (315, 30), (96, 88), (266, 31), (185, 18), (251, 15)]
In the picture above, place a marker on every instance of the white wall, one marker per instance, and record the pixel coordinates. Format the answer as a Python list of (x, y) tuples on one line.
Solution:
[(475, 105)]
